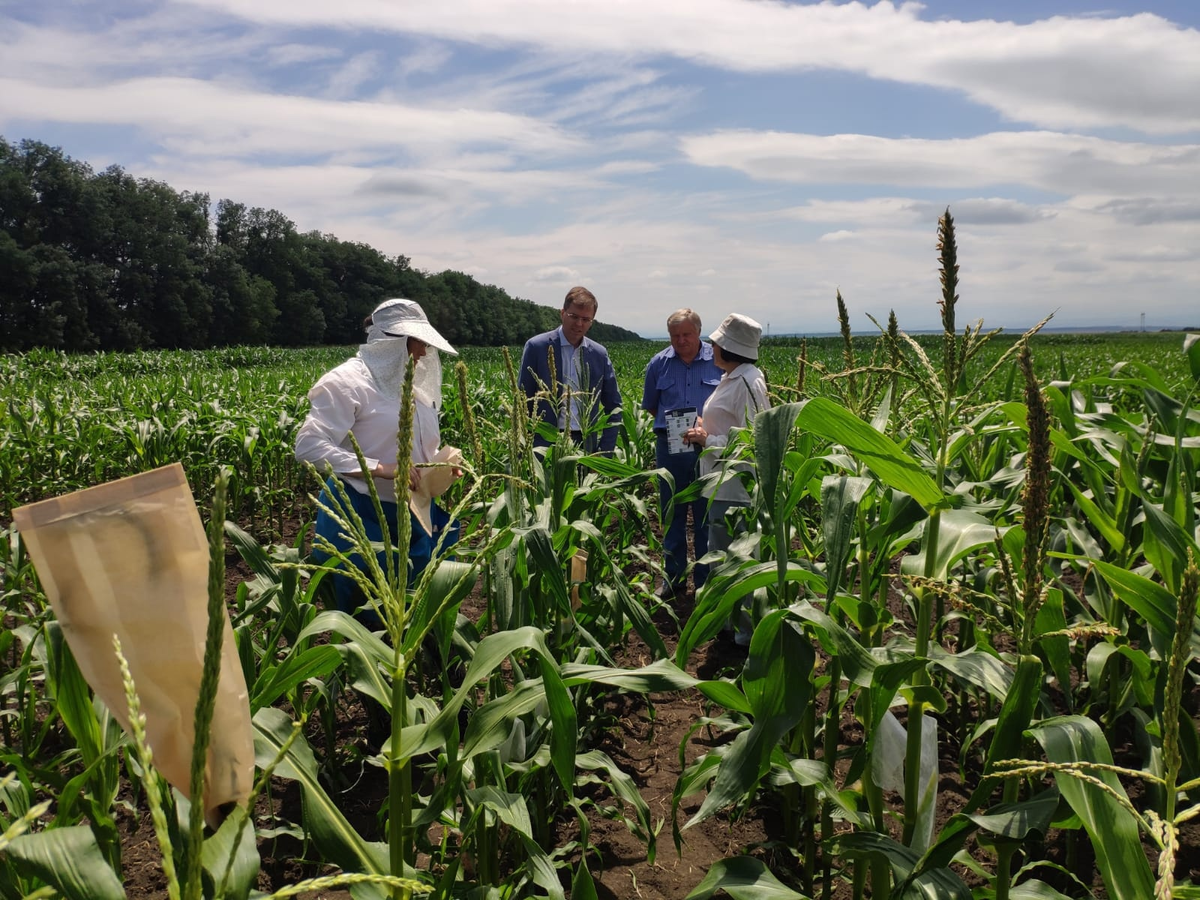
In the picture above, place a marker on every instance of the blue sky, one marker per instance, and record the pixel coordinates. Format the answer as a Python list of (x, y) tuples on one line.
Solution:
[(728, 155)]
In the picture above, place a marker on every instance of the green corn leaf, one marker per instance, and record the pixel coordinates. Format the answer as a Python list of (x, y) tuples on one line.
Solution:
[(1051, 618), (777, 685), (715, 601), (772, 431), (1103, 522), (1013, 821), (347, 626), (490, 654), (934, 884), (632, 608), (623, 786), (70, 860), (743, 878), (448, 586), (334, 837), (1112, 828), (1166, 546), (253, 554), (814, 773), (547, 563), (583, 886), (1008, 738), (976, 667), (218, 849), (1033, 889), (366, 677), (1191, 349), (858, 665), (513, 812), (961, 531), (1150, 600), (660, 675), (491, 724), (72, 695), (840, 497), (564, 733), (316, 662), (877, 451)]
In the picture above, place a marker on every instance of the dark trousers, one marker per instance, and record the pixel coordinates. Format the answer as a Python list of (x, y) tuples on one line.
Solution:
[(347, 595), (684, 468)]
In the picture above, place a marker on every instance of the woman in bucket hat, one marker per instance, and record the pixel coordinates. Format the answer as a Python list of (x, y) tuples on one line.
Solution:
[(362, 395), (738, 398)]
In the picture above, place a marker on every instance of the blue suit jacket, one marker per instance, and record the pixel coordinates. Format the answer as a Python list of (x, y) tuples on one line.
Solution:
[(596, 376)]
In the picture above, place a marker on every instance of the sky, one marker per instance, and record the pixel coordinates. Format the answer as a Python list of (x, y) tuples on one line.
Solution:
[(749, 156)]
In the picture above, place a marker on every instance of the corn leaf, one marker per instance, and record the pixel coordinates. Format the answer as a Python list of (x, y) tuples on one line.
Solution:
[(334, 837), (743, 878), (1112, 828), (1015, 715), (246, 862), (933, 884), (777, 685), (876, 451), (70, 860), (840, 497), (961, 531), (296, 668)]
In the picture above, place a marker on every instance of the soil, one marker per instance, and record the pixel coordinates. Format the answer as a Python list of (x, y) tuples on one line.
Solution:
[(644, 741)]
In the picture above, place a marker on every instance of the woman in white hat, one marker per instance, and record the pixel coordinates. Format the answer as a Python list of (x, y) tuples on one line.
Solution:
[(738, 398), (362, 395)]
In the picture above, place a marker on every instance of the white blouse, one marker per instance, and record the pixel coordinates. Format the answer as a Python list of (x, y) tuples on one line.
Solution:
[(738, 398), (346, 399)]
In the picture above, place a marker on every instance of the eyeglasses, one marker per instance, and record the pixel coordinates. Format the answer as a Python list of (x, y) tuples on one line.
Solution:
[(583, 320)]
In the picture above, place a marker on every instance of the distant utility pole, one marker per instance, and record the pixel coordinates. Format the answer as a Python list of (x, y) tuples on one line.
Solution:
[(1143, 321)]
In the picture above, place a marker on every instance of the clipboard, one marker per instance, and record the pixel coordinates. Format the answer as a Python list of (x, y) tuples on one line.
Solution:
[(678, 422)]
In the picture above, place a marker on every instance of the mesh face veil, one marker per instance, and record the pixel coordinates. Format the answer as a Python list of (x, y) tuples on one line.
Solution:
[(386, 350)]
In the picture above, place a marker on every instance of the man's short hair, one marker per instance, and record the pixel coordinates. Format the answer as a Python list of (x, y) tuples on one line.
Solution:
[(683, 315), (580, 296)]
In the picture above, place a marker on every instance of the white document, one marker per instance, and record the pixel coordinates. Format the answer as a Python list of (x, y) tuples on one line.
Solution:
[(678, 422)]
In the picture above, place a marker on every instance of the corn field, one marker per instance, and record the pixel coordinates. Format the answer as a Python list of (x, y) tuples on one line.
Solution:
[(966, 551)]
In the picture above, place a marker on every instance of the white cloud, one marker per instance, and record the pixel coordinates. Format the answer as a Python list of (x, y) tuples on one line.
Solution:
[(1138, 71), (556, 275), (1047, 161), (834, 236), (206, 117), (346, 81), (293, 54)]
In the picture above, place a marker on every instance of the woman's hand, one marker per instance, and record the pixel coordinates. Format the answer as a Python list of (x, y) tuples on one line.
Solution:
[(696, 435), (386, 471), (414, 478)]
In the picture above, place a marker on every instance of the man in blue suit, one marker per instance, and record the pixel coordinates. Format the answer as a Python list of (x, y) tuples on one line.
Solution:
[(582, 368)]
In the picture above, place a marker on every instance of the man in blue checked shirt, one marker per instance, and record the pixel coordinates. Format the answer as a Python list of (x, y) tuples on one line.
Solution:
[(678, 381)]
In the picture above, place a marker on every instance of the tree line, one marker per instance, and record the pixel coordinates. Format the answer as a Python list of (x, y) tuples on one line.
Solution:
[(107, 261)]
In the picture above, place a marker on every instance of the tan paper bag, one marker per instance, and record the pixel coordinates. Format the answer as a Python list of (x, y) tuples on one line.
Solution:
[(434, 482), (131, 558)]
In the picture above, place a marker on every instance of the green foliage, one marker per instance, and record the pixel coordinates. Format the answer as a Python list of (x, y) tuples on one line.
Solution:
[(108, 261), (1004, 612)]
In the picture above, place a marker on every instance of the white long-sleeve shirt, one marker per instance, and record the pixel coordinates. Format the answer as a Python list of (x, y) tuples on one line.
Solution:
[(738, 398), (346, 399)]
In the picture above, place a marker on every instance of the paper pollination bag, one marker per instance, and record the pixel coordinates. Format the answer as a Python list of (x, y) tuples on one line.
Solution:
[(130, 558)]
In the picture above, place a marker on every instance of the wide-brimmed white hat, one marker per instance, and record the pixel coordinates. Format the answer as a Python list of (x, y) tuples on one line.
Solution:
[(405, 318), (738, 334)]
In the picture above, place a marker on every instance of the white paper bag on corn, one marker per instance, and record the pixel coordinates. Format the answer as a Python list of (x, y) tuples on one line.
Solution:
[(433, 482), (130, 558)]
